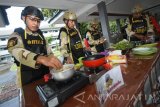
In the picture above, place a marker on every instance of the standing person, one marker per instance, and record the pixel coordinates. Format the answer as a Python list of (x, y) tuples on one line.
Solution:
[(138, 26), (95, 37), (70, 39), (29, 48)]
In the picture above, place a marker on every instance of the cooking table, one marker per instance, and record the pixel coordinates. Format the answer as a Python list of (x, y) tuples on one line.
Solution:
[(135, 72)]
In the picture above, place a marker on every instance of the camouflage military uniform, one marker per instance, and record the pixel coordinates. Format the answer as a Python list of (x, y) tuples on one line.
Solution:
[(25, 48), (71, 44), (29, 48), (95, 37), (95, 40), (70, 39), (140, 25)]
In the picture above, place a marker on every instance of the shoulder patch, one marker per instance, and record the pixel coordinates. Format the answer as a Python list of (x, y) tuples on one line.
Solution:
[(12, 42)]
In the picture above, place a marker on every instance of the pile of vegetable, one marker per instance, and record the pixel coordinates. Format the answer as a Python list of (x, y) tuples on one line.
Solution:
[(123, 45), (144, 50)]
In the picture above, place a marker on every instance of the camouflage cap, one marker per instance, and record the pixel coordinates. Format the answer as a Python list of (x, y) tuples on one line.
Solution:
[(69, 15)]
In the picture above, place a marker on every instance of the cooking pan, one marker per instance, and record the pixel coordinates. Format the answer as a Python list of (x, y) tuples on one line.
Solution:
[(65, 74), (93, 61)]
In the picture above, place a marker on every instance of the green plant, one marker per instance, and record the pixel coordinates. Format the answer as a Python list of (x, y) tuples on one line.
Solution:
[(83, 28), (113, 26), (49, 12), (49, 39)]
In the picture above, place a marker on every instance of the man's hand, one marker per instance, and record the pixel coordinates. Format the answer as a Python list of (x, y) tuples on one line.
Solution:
[(50, 61), (132, 33), (102, 40)]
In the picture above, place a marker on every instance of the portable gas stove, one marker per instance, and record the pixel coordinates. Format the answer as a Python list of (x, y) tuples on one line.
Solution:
[(93, 73), (54, 93)]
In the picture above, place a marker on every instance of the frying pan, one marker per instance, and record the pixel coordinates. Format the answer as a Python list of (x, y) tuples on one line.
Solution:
[(93, 61)]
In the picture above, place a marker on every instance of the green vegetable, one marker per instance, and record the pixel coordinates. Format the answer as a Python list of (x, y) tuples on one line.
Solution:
[(148, 51), (123, 45), (149, 45)]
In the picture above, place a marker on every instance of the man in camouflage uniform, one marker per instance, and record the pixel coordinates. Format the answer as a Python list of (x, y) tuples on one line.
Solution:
[(70, 39), (29, 48), (138, 25), (95, 37)]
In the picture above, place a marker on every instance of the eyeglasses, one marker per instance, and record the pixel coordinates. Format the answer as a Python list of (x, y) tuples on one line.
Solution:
[(34, 19)]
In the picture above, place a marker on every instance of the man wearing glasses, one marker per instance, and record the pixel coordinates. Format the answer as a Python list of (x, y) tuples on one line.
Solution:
[(29, 48)]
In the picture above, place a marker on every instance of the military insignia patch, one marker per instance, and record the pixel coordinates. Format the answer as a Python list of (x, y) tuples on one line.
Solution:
[(25, 54), (12, 42)]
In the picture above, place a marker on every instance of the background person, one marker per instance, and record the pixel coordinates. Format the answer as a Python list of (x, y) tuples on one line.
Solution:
[(138, 26), (71, 44), (95, 37), (29, 48)]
